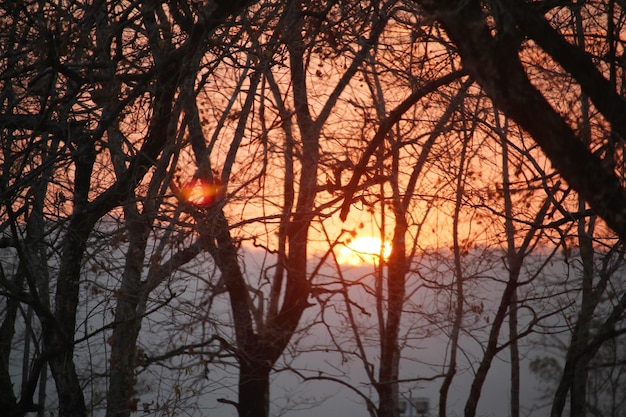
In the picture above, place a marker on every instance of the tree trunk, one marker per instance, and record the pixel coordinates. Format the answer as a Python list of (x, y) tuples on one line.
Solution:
[(254, 383), (7, 332), (69, 390), (130, 298), (578, 391), (459, 300), (390, 350), (496, 66), (513, 259), (59, 332), (515, 363)]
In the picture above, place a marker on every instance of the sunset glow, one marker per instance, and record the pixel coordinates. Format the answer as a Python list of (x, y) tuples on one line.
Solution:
[(363, 250)]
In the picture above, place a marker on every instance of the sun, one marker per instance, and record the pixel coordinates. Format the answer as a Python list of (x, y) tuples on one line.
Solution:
[(363, 250)]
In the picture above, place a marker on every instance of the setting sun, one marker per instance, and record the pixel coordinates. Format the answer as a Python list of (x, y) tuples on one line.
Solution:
[(362, 250)]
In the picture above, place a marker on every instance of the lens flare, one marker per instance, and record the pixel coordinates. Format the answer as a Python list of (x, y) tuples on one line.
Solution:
[(199, 192)]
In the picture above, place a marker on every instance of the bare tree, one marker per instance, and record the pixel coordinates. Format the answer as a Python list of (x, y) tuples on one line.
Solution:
[(266, 315), (68, 85), (491, 55), (104, 105)]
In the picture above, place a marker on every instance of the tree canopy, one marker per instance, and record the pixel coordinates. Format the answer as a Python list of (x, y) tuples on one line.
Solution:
[(184, 185)]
